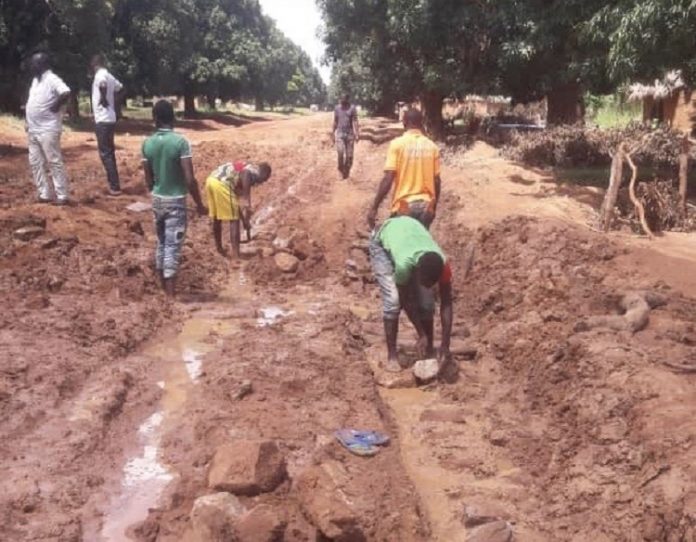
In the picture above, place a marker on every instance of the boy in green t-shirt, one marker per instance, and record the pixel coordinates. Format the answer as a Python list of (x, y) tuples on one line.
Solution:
[(408, 263), (169, 176)]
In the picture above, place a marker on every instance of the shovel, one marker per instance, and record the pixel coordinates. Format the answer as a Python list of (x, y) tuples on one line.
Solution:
[(247, 229)]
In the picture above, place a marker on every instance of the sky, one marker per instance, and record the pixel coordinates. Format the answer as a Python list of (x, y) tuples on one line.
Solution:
[(299, 20)]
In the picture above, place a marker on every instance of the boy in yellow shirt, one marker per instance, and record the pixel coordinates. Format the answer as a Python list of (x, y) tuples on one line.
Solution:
[(412, 171), (228, 189)]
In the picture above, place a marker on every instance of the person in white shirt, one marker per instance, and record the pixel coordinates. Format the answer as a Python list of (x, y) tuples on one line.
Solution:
[(105, 90), (44, 124)]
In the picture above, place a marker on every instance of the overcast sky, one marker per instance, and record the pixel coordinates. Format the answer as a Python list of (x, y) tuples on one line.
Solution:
[(299, 20)]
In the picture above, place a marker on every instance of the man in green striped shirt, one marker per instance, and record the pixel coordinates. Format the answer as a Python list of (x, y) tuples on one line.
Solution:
[(168, 165)]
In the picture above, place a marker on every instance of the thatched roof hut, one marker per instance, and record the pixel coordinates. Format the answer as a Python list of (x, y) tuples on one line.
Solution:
[(668, 101)]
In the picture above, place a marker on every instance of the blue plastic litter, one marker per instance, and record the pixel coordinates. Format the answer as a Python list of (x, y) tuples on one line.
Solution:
[(365, 443)]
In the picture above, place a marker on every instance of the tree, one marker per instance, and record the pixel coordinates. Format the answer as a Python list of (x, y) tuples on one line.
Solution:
[(70, 30), (646, 38), (214, 48), (21, 28), (424, 48), (544, 52)]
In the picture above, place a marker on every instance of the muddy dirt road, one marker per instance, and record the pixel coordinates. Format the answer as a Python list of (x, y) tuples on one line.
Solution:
[(120, 410)]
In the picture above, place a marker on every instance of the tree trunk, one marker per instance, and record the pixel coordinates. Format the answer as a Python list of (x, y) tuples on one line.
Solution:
[(10, 97), (432, 114), (189, 104), (565, 105), (119, 102), (73, 107), (683, 174), (211, 101), (258, 101), (384, 109), (607, 211)]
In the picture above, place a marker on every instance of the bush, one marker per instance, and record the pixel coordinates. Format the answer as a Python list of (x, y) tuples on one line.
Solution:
[(579, 146), (660, 198), (565, 146)]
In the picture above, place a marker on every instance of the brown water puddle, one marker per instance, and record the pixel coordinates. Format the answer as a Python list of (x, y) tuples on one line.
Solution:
[(144, 476)]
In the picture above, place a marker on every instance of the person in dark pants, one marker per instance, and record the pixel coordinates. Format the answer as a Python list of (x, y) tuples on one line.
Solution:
[(346, 131), (105, 91)]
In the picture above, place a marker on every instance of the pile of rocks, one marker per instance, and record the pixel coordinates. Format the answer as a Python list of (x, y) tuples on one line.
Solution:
[(244, 469)]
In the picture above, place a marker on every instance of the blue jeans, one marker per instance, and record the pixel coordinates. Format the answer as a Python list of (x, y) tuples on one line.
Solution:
[(170, 225), (383, 269)]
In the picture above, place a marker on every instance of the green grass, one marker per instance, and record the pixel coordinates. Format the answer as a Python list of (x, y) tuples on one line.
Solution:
[(611, 111), (11, 122)]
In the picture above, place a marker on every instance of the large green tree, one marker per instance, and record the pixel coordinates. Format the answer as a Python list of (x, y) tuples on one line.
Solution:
[(70, 29), (213, 48), (417, 48), (646, 38), (544, 52)]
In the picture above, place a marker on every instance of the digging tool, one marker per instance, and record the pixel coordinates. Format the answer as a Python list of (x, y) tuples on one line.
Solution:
[(247, 228)]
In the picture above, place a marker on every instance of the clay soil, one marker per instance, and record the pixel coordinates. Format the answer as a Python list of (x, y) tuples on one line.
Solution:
[(564, 432)]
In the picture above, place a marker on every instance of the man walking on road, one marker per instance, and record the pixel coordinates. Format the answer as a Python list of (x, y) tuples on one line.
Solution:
[(168, 165), (229, 199), (412, 172), (105, 90), (346, 131), (44, 125), (408, 263)]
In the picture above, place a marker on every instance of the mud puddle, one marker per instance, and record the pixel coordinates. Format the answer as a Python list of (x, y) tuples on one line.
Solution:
[(145, 477)]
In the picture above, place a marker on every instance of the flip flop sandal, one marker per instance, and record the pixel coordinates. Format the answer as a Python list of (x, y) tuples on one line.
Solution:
[(364, 443)]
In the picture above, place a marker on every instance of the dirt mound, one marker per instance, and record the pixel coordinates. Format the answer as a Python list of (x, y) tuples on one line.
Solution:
[(305, 257), (584, 431)]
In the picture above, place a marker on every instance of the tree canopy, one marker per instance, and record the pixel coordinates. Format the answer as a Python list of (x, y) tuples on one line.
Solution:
[(390, 50), (215, 48)]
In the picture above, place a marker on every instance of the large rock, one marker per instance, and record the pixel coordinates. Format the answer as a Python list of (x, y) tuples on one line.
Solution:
[(213, 517), (481, 512), (287, 263), (386, 379), (426, 370), (360, 261), (262, 523), (27, 233), (463, 349), (319, 490), (497, 531), (301, 245), (247, 467)]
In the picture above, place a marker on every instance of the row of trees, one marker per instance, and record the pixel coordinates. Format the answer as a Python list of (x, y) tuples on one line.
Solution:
[(389, 50), (215, 48)]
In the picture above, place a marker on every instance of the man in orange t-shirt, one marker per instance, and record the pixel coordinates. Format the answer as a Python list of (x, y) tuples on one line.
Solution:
[(412, 171)]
